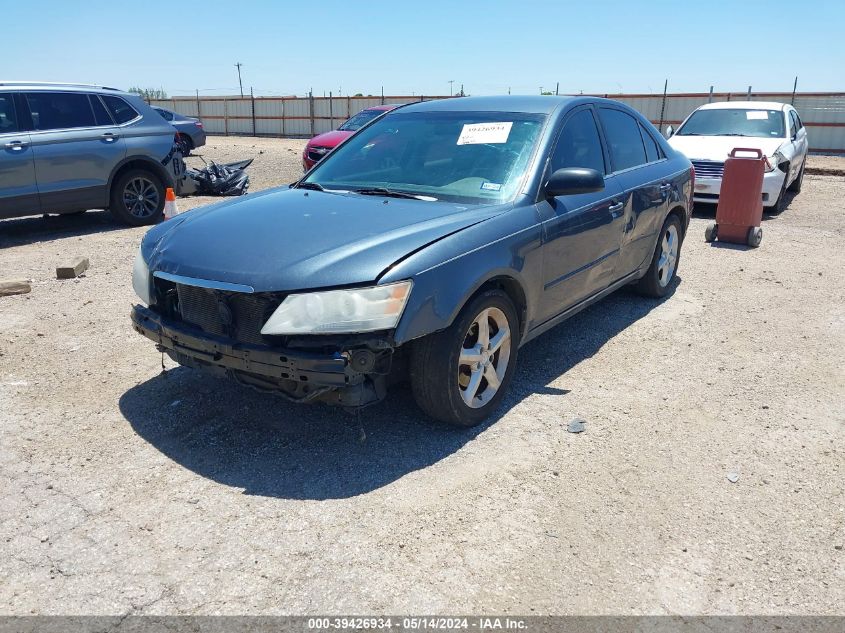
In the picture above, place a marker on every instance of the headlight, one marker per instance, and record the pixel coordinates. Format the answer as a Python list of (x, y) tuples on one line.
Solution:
[(141, 279), (340, 311), (774, 160)]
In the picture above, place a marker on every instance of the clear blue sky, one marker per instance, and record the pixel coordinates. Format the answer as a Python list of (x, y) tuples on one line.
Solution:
[(416, 47)]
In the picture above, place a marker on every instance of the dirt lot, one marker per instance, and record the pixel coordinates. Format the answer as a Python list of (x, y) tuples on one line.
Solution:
[(129, 491)]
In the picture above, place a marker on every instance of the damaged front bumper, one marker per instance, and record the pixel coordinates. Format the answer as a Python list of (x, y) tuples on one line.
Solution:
[(353, 378)]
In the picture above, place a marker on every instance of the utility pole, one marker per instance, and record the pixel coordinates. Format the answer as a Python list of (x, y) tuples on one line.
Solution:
[(557, 88), (663, 104), (794, 88), (238, 66), (451, 81)]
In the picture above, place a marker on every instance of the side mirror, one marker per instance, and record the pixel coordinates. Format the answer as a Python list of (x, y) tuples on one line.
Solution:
[(571, 180), (669, 131)]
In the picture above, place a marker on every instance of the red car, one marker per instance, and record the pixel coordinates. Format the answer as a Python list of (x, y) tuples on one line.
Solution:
[(322, 144)]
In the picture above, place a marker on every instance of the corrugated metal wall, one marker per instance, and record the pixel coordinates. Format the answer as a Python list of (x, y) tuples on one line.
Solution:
[(822, 113)]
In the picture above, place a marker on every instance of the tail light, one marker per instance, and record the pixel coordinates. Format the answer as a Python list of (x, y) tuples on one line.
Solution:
[(199, 123)]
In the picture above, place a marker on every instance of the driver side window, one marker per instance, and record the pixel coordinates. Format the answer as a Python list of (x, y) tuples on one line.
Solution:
[(579, 144)]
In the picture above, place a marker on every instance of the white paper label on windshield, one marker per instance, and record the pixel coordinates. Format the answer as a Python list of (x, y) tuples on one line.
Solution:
[(756, 114), (475, 133)]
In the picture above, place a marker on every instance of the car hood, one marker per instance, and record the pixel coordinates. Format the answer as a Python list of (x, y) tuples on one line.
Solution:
[(329, 139), (294, 239), (718, 147)]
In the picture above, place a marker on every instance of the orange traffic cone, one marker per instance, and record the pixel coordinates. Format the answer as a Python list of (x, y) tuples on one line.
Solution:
[(170, 208)]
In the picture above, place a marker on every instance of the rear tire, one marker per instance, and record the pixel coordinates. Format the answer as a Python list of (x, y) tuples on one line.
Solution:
[(755, 236), (449, 369), (711, 232), (657, 282), (137, 198)]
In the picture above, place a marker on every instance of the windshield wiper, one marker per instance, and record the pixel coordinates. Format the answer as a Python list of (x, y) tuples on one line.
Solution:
[(389, 193), (733, 134), (315, 186)]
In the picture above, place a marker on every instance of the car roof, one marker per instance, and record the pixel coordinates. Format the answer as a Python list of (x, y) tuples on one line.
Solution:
[(745, 105), (535, 104), (34, 86)]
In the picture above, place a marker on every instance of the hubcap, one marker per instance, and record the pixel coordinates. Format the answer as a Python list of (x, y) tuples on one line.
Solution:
[(484, 358), (141, 197), (668, 256)]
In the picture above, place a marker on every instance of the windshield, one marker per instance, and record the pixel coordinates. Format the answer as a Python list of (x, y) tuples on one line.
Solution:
[(473, 157), (358, 121), (734, 122)]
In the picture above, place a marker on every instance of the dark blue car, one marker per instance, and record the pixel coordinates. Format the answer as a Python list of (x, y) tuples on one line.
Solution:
[(431, 245)]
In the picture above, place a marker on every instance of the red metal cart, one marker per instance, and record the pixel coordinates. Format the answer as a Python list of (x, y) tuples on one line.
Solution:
[(740, 207)]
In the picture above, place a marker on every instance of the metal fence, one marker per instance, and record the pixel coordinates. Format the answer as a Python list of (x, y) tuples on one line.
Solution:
[(823, 113)]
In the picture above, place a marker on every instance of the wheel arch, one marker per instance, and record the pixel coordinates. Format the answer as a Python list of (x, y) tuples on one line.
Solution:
[(439, 309), (513, 289), (136, 162), (679, 212)]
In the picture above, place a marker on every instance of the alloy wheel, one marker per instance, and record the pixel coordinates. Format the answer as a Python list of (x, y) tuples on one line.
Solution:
[(141, 197), (668, 256), (485, 354)]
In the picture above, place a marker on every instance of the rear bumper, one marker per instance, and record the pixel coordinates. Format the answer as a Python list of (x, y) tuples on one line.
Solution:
[(198, 138), (301, 375), (707, 189)]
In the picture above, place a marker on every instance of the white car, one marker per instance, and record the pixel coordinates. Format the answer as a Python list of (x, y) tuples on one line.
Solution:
[(709, 134)]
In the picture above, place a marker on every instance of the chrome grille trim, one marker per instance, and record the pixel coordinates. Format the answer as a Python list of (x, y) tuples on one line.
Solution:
[(708, 168), (203, 283)]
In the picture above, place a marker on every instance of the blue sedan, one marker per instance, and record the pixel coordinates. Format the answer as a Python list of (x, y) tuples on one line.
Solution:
[(432, 245)]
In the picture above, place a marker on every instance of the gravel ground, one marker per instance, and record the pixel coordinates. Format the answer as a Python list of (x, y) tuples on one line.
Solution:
[(131, 491), (826, 165)]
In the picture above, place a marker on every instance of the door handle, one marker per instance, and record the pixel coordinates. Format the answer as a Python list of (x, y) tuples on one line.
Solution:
[(108, 137), (16, 146), (616, 209)]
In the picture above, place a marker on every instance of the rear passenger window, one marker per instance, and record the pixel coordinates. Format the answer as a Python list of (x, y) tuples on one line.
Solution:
[(59, 110), (652, 151), (8, 120), (120, 110), (579, 144), (623, 137), (100, 115)]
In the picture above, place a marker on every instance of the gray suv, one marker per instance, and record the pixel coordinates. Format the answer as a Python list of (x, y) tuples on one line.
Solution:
[(65, 148)]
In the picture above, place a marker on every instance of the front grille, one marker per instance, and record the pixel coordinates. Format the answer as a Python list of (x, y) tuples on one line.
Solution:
[(235, 315), (708, 168)]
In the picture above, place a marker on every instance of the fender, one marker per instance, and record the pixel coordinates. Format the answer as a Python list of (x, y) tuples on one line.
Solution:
[(442, 288)]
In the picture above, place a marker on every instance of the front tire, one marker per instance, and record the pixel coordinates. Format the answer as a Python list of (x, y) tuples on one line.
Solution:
[(137, 198), (779, 205), (795, 187), (459, 375), (657, 281)]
